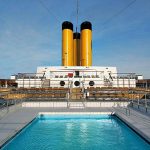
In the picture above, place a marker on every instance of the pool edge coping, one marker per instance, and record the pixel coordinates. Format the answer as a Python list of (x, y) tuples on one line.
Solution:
[(11, 136), (135, 129), (75, 113)]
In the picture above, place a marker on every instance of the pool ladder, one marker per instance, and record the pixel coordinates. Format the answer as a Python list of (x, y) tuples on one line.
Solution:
[(123, 110)]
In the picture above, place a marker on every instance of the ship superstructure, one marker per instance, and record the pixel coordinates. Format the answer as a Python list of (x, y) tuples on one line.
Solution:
[(76, 70)]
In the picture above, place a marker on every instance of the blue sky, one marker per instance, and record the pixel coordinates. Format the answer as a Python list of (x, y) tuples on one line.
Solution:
[(30, 35)]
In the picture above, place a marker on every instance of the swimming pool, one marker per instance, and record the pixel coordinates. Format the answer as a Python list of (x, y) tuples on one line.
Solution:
[(77, 132)]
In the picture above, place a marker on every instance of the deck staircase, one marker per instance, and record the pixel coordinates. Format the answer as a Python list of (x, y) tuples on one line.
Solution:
[(46, 83), (76, 98), (76, 104)]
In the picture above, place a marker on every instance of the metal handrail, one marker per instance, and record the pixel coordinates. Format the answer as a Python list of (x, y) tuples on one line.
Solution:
[(143, 106), (127, 110), (5, 110), (1, 108)]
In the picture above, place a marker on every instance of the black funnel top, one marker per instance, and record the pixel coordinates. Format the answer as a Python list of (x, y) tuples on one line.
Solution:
[(67, 25), (86, 25), (76, 35)]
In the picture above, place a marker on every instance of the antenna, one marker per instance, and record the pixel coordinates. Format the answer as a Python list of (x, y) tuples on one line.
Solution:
[(77, 16)]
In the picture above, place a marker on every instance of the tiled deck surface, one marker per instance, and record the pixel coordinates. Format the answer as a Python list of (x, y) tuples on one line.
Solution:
[(12, 122), (138, 121)]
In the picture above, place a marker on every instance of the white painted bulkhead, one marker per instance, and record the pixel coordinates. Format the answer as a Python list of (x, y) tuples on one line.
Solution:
[(53, 75)]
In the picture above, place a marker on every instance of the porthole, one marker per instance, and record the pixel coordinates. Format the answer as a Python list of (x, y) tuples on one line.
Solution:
[(91, 83), (76, 83), (62, 83)]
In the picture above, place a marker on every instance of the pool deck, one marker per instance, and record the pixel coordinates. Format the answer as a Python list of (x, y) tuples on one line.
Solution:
[(139, 122), (13, 122)]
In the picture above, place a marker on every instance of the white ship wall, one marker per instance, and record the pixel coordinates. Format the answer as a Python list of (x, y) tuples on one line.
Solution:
[(29, 83), (52, 76), (51, 72)]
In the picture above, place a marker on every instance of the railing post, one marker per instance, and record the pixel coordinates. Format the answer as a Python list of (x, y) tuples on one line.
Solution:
[(138, 101), (146, 109), (67, 97), (145, 103), (132, 98), (7, 107)]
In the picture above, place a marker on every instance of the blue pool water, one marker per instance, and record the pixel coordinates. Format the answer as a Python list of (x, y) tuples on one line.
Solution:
[(77, 132)]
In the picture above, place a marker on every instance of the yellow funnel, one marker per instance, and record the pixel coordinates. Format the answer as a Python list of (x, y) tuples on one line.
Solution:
[(86, 44), (67, 44), (76, 49)]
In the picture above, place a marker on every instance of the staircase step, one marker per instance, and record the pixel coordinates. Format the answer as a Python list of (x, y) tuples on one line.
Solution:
[(46, 83), (76, 105)]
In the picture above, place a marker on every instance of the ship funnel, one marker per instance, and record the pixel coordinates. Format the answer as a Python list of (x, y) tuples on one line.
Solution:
[(67, 43), (86, 44), (76, 49)]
